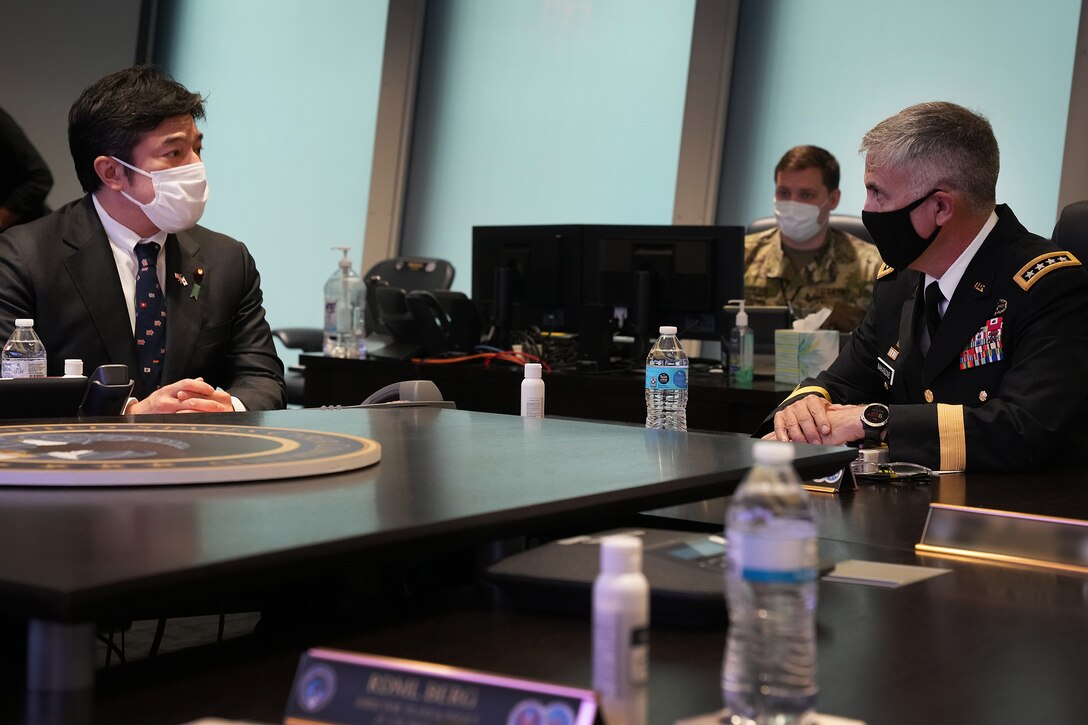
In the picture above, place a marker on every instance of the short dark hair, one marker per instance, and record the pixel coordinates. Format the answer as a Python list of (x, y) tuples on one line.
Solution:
[(810, 157), (111, 116)]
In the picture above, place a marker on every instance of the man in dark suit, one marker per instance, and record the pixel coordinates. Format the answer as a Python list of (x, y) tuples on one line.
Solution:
[(965, 359), (124, 275)]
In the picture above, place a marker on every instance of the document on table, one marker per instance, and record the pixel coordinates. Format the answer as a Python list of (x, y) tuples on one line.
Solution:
[(875, 573)]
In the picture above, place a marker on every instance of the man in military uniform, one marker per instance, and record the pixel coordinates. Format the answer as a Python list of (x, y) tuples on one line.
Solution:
[(803, 263), (963, 359)]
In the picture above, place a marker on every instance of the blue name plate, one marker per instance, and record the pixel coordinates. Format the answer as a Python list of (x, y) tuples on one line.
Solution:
[(334, 687)]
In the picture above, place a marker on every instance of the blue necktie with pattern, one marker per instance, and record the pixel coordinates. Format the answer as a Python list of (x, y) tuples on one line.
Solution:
[(150, 317)]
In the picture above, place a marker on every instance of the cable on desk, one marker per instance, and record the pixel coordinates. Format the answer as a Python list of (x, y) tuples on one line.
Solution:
[(511, 356)]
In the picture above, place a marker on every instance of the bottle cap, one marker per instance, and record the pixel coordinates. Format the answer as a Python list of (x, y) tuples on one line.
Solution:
[(25, 322), (742, 316), (667, 330), (771, 453), (73, 366), (621, 554), (533, 370)]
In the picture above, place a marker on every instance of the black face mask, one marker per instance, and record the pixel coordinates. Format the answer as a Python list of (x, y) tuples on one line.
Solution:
[(892, 232)]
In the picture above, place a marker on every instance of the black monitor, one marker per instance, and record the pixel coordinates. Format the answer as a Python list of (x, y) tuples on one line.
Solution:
[(664, 275), (527, 276), (572, 278)]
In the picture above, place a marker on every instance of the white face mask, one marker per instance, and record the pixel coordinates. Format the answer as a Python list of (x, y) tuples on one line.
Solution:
[(180, 196), (798, 221)]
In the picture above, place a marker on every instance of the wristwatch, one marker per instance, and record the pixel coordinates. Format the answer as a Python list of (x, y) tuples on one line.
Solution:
[(874, 418)]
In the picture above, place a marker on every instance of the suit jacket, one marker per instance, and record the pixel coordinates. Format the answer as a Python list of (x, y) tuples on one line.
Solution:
[(60, 271), (1003, 381)]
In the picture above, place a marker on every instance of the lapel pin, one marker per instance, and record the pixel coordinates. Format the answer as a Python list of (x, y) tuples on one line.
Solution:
[(979, 287), (198, 279), (181, 278), (1002, 305)]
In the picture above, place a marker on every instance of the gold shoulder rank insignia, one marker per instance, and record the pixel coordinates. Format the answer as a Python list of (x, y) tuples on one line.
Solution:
[(1042, 265), (884, 271)]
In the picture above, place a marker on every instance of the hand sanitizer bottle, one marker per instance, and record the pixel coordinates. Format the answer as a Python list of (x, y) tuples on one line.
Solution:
[(740, 346)]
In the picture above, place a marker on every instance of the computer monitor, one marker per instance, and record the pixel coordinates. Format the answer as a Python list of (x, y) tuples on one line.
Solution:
[(527, 276), (568, 278), (664, 275)]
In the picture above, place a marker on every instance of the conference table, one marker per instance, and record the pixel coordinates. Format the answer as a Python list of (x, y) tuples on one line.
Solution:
[(73, 556), (980, 643)]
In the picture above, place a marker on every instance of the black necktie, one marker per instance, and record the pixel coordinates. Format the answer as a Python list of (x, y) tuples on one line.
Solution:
[(934, 298), (150, 317)]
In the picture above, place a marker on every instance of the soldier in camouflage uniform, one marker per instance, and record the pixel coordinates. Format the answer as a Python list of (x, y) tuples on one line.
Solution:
[(803, 262)]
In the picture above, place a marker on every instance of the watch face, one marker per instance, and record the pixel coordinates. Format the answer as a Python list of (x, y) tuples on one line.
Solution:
[(876, 414)]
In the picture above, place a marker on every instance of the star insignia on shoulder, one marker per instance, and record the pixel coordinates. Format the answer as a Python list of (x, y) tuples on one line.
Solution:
[(1043, 265)]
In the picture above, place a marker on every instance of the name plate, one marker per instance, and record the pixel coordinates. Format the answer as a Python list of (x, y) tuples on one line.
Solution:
[(1006, 536), (333, 687)]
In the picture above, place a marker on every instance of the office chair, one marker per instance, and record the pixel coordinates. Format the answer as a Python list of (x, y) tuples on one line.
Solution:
[(843, 222), (304, 339), (410, 274), (1071, 231)]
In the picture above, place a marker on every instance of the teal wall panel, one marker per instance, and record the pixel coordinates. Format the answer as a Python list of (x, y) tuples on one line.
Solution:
[(292, 94), (558, 111), (826, 72)]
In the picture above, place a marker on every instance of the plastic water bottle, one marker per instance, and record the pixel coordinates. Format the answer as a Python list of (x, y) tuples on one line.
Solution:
[(621, 629), (24, 353), (667, 383), (345, 299), (769, 673)]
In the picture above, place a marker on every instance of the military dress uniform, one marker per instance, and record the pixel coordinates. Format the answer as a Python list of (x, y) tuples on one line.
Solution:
[(1003, 381), (840, 277)]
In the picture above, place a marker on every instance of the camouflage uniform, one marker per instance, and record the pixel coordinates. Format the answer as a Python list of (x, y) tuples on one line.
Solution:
[(840, 277)]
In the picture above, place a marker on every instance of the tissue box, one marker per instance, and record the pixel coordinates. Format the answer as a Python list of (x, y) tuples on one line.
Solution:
[(800, 355)]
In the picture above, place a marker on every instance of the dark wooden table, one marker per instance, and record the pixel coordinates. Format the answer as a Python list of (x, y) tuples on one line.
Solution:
[(446, 478), (986, 643), (713, 404)]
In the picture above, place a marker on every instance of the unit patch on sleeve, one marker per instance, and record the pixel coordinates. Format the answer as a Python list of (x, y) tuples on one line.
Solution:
[(1042, 265), (985, 346)]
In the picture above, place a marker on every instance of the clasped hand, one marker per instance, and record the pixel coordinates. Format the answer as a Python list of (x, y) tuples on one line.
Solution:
[(185, 396), (813, 419)]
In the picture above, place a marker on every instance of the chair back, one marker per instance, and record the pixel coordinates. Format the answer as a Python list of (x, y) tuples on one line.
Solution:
[(410, 274), (414, 273), (1071, 231)]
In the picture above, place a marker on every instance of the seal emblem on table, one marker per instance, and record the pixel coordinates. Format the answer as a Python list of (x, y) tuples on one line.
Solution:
[(126, 454)]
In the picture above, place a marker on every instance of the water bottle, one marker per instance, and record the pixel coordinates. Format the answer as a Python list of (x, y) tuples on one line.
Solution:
[(345, 298), (769, 673), (621, 629), (667, 383), (24, 353)]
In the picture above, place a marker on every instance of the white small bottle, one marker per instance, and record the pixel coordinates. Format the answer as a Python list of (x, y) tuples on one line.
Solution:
[(621, 631), (532, 392), (73, 368)]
